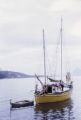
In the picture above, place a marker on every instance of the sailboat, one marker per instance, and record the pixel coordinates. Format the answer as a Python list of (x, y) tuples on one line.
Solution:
[(58, 90)]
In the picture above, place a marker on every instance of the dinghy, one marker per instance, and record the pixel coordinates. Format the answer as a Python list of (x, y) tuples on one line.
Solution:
[(23, 103)]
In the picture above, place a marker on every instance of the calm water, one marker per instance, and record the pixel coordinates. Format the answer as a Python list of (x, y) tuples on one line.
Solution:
[(20, 89)]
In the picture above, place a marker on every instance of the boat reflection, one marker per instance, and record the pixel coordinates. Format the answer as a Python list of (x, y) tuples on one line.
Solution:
[(54, 111)]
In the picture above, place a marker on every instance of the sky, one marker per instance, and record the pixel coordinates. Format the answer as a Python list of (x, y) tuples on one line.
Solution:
[(21, 24)]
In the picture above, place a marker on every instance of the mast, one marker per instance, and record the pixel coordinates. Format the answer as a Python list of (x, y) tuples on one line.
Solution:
[(44, 56), (61, 47)]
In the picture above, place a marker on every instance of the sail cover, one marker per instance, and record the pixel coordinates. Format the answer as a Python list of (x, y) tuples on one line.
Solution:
[(52, 80)]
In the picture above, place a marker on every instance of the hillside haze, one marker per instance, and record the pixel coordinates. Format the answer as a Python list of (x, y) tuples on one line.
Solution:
[(12, 74)]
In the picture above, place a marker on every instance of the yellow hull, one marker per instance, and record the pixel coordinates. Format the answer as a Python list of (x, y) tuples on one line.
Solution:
[(49, 98)]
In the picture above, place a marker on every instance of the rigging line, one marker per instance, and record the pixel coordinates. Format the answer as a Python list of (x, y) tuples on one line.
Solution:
[(56, 50), (49, 66), (58, 42), (67, 62)]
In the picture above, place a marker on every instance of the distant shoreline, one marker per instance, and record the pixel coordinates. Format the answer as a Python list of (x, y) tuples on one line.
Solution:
[(12, 74)]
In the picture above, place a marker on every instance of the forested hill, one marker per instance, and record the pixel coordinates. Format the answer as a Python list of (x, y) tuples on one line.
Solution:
[(11, 74)]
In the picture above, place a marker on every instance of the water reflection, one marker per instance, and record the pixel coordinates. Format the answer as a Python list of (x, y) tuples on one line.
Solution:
[(54, 111)]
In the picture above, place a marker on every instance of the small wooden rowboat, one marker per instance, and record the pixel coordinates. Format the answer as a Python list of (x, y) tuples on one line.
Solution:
[(23, 103)]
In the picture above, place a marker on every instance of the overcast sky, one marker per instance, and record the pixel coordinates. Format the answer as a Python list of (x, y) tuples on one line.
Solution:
[(21, 24)]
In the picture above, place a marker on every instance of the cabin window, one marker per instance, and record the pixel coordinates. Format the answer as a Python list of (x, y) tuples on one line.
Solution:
[(49, 89)]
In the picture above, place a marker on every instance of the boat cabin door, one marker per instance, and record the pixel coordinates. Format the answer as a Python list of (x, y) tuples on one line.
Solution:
[(53, 89)]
